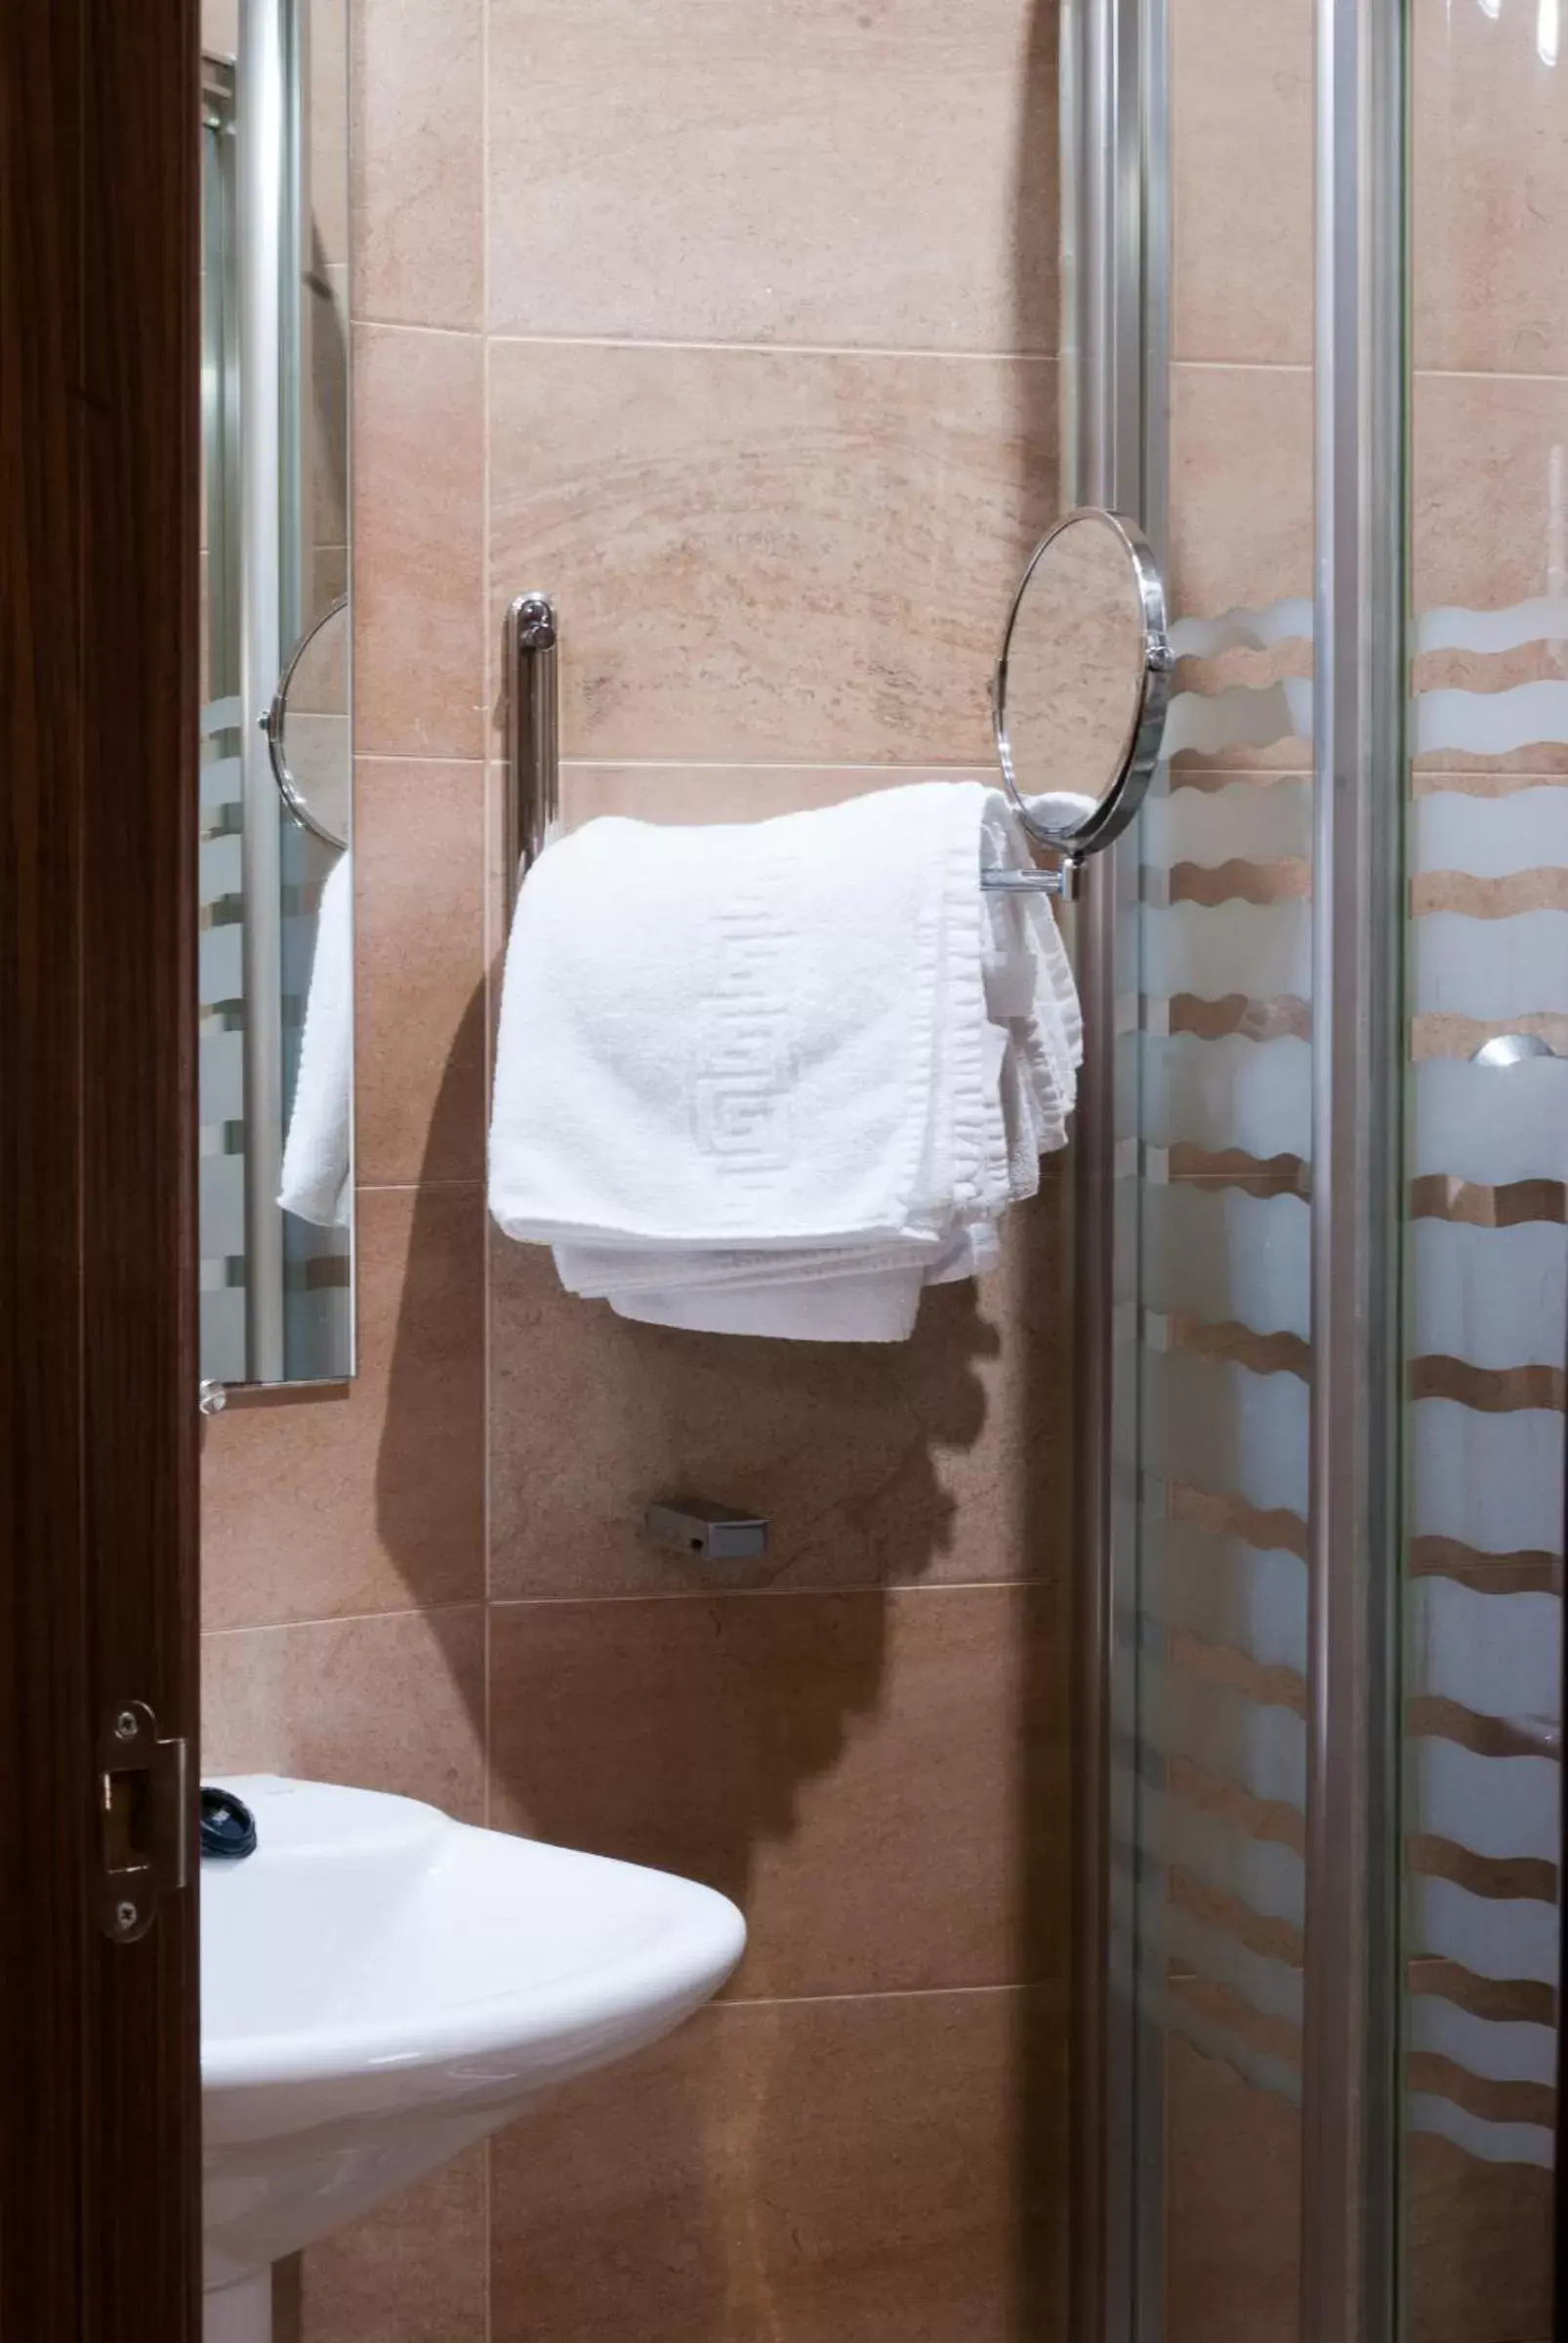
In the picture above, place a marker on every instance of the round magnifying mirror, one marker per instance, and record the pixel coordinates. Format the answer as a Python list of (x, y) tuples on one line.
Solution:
[(1083, 682), (307, 729)]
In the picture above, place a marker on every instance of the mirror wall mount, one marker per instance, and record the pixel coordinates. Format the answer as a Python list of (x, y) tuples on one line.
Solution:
[(1116, 802)]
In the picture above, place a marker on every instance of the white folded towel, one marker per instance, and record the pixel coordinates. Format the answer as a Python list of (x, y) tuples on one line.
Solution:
[(318, 1152), (774, 1078)]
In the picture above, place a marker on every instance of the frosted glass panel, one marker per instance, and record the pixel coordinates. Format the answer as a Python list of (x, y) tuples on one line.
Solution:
[(1486, 1249), (1224, 1096)]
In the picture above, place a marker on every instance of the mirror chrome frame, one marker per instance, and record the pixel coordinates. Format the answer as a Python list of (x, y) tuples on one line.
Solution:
[(1142, 753), (275, 721)]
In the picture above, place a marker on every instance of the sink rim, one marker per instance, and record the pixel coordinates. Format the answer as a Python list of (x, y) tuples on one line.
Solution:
[(692, 1940)]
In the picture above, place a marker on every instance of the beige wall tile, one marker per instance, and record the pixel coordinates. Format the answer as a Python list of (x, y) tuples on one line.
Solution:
[(1478, 2239), (733, 793), (945, 1457), (329, 455), (859, 2171), (878, 1781), (1241, 487), (1232, 2205), (415, 2270), (394, 1701), (1490, 492), (320, 681), (368, 1496), (1479, 2246), (871, 176), (1489, 513), (419, 162), (419, 538), (1243, 121), (327, 30), (220, 26), (769, 555), (1241, 528), (420, 1070), (1490, 191)]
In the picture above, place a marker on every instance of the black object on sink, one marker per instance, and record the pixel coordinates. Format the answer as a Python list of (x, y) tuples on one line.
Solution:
[(227, 1826)]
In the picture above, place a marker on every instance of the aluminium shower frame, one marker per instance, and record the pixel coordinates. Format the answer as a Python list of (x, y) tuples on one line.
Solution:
[(1115, 208)]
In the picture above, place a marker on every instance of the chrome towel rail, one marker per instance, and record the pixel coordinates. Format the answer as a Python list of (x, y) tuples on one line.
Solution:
[(531, 811)]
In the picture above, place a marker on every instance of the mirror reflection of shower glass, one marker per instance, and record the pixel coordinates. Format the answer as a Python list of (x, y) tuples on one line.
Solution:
[(276, 1024)]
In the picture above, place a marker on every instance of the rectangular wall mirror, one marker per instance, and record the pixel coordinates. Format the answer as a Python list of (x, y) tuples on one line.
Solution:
[(276, 1010)]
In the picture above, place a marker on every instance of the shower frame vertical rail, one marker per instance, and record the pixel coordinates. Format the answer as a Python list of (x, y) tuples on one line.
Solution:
[(1351, 1986), (1115, 203), (1113, 98)]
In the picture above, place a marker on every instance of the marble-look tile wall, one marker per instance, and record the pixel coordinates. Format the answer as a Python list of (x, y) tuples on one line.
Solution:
[(734, 325)]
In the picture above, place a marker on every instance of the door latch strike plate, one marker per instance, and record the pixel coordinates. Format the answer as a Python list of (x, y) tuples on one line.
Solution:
[(143, 1820)]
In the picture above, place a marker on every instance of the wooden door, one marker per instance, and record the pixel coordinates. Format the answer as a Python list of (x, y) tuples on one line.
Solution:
[(99, 2050)]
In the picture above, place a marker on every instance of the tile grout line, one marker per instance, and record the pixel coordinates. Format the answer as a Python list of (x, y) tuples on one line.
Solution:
[(834, 350), (735, 349), (455, 1608), (781, 1594), (860, 1590), (1419, 374), (1050, 1982), (488, 1602), (776, 349)]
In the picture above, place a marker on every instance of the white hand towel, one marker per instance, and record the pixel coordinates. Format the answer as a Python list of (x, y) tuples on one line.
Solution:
[(318, 1152), (774, 1078)]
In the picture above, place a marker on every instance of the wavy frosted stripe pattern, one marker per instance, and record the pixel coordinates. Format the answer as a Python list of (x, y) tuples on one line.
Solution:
[(1225, 1076), (1487, 1332), (1261, 1749), (1229, 1092), (1446, 719), (1492, 2143), (1543, 618), (1449, 720), (220, 1045)]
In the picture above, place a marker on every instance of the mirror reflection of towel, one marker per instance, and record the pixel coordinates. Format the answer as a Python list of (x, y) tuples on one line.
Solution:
[(317, 1156)]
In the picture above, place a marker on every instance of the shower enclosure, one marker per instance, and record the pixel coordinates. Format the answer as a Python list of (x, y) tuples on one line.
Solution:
[(1322, 351)]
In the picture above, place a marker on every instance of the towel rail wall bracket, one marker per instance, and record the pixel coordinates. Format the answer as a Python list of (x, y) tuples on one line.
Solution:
[(532, 809)]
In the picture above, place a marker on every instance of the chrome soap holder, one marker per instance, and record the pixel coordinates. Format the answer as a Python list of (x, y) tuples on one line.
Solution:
[(691, 1525)]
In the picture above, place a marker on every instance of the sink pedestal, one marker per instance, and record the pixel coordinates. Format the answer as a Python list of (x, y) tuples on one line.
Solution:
[(239, 2313)]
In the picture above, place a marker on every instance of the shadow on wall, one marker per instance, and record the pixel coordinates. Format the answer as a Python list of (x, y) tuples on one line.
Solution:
[(687, 1734), (677, 1733)]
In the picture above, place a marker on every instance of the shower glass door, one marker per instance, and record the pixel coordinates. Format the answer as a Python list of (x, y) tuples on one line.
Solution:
[(1486, 1249), (1227, 1022)]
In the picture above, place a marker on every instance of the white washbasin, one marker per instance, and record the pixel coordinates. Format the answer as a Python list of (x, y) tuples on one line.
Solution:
[(382, 1986)]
